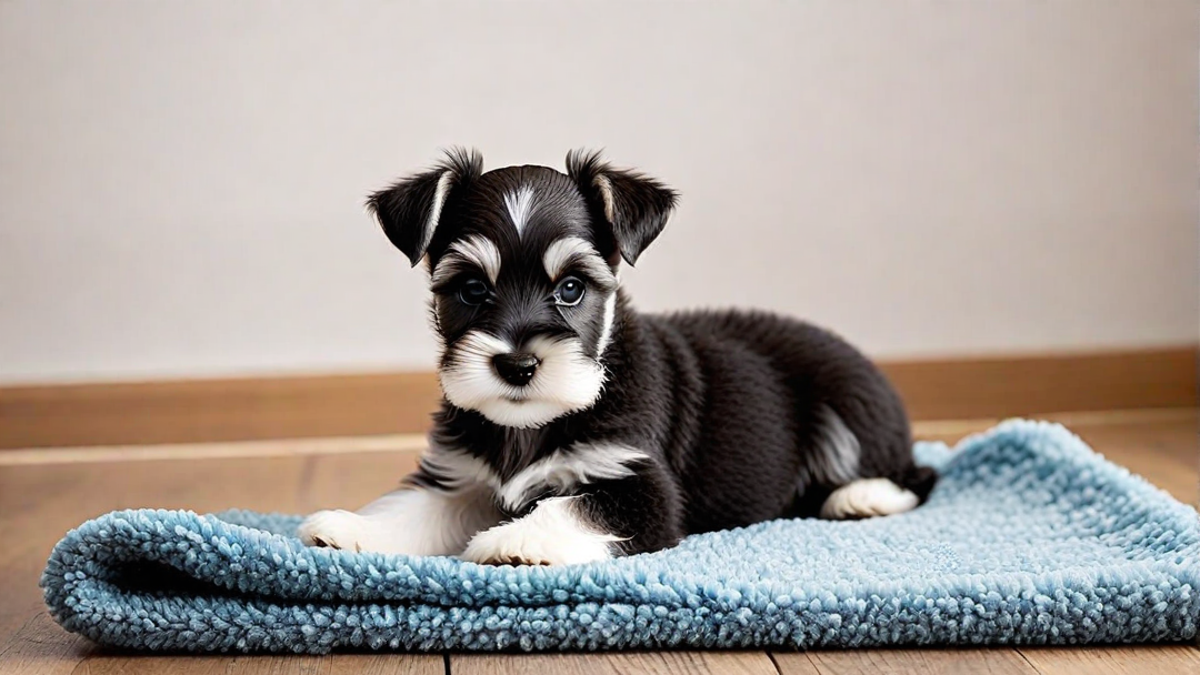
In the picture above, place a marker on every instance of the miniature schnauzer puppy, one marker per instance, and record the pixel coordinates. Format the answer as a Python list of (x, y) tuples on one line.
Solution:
[(574, 429)]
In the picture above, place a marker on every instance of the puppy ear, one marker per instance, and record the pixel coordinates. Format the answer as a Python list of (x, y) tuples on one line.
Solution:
[(635, 206), (409, 210)]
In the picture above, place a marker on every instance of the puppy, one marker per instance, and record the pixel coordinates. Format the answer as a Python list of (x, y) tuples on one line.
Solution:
[(575, 429)]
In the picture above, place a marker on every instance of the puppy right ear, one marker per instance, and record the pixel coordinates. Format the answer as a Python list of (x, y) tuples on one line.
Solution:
[(635, 207), (410, 209)]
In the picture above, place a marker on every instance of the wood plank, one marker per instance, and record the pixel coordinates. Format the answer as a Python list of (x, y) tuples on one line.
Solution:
[(1156, 659), (338, 664), (350, 481), (40, 647), (197, 411), (793, 663), (291, 447), (999, 661), (623, 663), (203, 665), (1167, 455), (386, 664)]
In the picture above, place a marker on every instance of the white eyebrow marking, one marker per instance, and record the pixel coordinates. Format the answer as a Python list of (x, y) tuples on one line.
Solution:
[(564, 251), (476, 249), (520, 206)]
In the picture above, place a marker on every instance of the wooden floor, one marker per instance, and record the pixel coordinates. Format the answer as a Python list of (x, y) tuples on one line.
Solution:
[(45, 493)]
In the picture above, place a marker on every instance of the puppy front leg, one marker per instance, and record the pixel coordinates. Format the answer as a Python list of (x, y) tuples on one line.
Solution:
[(412, 520), (601, 520)]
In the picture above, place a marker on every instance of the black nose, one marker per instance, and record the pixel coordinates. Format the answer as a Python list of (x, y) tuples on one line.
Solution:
[(516, 369)]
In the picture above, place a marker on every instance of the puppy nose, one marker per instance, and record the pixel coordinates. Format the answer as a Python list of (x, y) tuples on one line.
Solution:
[(516, 369)]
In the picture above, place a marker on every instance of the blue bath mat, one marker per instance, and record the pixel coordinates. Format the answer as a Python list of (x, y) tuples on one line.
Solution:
[(1029, 538)]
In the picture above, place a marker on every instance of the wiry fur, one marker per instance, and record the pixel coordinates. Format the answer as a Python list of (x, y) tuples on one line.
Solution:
[(634, 430)]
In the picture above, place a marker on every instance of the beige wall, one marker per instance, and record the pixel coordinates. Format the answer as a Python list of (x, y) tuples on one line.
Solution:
[(181, 184)]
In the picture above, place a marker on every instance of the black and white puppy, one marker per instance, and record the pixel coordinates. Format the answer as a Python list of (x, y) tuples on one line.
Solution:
[(575, 429)]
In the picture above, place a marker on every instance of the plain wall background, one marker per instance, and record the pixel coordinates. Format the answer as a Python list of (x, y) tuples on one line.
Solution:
[(181, 184)]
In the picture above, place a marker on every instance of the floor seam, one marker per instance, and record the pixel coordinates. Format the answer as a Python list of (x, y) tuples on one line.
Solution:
[(1026, 660)]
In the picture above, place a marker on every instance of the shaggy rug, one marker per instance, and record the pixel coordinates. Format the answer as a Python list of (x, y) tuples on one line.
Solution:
[(1029, 538)]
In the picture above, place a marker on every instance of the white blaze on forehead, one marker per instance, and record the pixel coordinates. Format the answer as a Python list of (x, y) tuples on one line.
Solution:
[(477, 250), (520, 206), (567, 250)]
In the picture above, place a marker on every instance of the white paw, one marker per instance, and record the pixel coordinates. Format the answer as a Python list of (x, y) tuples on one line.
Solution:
[(335, 529), (552, 534), (866, 498)]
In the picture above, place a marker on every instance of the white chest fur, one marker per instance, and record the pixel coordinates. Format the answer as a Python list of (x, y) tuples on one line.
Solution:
[(557, 473)]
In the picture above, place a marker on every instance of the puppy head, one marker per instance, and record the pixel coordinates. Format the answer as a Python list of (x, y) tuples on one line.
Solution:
[(523, 269)]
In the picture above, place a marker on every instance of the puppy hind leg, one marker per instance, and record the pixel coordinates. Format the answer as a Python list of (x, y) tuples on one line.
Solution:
[(867, 498), (838, 461)]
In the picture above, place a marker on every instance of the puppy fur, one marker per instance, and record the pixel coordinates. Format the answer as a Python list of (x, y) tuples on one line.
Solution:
[(574, 428)]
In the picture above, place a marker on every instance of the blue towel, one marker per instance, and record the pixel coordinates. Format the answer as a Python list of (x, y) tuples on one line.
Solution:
[(1029, 538)]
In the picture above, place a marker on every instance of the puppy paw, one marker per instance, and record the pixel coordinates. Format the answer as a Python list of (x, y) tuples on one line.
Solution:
[(500, 547), (867, 498), (553, 534), (334, 529)]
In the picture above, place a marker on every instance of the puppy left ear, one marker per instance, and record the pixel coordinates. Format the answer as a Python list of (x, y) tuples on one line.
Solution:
[(410, 209), (635, 206)]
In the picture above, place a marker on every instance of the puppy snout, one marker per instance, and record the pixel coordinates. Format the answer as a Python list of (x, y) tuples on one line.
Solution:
[(517, 369)]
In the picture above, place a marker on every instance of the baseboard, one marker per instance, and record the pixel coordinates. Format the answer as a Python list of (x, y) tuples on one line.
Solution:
[(201, 411), (999, 387), (213, 410)]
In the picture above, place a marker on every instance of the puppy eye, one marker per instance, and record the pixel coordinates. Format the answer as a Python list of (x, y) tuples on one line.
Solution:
[(569, 292), (473, 292)]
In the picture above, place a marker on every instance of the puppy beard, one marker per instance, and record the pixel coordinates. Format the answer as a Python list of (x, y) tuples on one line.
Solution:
[(567, 380)]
